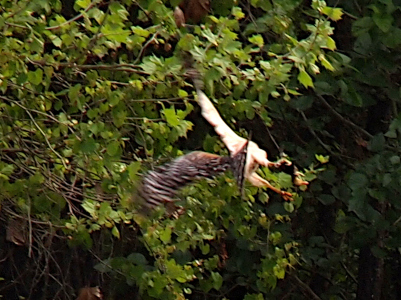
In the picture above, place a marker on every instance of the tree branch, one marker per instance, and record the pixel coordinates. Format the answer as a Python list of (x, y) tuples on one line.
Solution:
[(346, 121), (74, 18), (306, 288)]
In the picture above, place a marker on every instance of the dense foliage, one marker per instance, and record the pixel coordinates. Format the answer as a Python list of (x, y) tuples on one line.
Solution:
[(94, 94)]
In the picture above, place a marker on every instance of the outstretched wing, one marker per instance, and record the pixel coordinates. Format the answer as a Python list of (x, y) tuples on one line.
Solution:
[(161, 185), (232, 141)]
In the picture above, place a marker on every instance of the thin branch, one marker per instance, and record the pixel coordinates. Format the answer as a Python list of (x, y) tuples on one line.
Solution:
[(10, 212), (346, 121), (154, 36), (33, 110), (396, 221), (30, 227), (353, 125), (157, 100), (47, 141), (306, 288), (72, 19), (16, 25), (98, 34), (349, 273), (327, 148), (117, 67)]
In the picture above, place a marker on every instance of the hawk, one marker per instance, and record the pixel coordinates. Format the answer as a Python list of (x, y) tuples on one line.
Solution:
[(255, 156)]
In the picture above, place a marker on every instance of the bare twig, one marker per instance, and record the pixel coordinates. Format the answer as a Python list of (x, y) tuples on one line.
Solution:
[(72, 19), (346, 121), (327, 148), (306, 288), (47, 141), (154, 36), (16, 25), (130, 68), (30, 228), (169, 100)]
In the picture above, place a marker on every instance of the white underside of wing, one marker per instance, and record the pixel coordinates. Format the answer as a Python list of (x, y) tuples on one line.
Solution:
[(232, 141)]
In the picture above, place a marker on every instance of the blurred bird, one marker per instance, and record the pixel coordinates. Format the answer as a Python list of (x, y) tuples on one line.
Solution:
[(255, 156)]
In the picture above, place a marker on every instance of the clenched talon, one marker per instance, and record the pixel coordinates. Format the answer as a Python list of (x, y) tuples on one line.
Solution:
[(281, 162), (287, 196)]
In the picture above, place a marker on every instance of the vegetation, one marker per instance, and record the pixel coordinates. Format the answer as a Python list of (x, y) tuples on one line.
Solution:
[(94, 94)]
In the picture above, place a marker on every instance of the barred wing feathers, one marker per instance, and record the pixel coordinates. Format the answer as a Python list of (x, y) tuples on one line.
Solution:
[(162, 185)]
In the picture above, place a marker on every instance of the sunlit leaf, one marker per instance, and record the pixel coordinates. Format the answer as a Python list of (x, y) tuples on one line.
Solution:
[(305, 79)]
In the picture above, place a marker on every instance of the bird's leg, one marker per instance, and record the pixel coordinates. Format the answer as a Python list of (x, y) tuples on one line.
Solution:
[(279, 163), (298, 178), (258, 181)]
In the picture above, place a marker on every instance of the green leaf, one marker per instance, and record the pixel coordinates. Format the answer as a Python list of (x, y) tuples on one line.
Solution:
[(377, 143), (257, 40), (326, 199), (140, 31), (289, 207), (83, 3), (322, 159), (302, 103), (113, 148), (237, 13), (333, 13), (73, 92), (357, 181), (182, 93), (358, 205), (330, 43), (88, 146), (217, 280), (305, 79), (383, 21), (279, 272), (35, 77), (326, 63), (165, 235), (171, 117), (395, 160), (133, 169), (115, 232), (137, 258), (284, 180), (57, 41)]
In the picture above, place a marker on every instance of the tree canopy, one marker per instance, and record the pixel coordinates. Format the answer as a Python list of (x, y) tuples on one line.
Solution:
[(94, 94)]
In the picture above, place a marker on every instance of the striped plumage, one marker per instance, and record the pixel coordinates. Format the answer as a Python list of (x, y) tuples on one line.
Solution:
[(162, 185)]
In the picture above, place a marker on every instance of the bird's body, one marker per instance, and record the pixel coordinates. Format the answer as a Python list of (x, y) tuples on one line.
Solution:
[(162, 185)]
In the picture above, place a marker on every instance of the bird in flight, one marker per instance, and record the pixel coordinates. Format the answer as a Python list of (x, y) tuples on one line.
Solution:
[(162, 185), (255, 156)]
